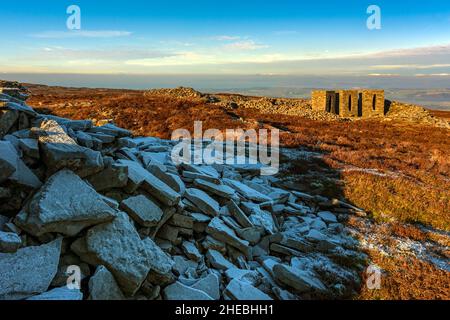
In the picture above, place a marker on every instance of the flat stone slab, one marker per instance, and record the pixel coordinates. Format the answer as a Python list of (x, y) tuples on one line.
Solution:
[(215, 189), (220, 231), (142, 210), (29, 271), (103, 286), (246, 191), (65, 204), (240, 290), (203, 201), (179, 291)]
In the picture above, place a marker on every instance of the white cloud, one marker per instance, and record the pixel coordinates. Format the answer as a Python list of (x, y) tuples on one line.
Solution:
[(225, 38), (244, 45), (82, 34)]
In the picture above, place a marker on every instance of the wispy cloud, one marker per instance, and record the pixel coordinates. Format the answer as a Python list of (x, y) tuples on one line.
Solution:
[(245, 45), (82, 34), (225, 38), (113, 53)]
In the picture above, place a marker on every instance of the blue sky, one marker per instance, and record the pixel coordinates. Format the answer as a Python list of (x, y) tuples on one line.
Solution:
[(227, 37)]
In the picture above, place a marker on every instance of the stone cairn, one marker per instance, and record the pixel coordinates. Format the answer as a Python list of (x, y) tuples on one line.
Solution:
[(93, 201)]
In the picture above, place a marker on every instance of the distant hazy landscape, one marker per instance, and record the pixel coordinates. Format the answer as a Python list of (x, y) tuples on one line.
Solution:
[(434, 92)]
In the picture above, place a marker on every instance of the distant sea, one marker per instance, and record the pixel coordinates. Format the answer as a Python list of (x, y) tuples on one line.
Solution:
[(430, 91)]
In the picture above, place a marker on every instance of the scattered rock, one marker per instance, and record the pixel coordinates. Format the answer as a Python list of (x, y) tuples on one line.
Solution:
[(103, 286), (142, 210), (65, 204), (29, 271)]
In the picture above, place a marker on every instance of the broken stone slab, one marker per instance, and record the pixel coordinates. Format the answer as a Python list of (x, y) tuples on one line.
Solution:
[(239, 215), (203, 201), (103, 286), (61, 151), (210, 285), (22, 174), (30, 147), (246, 191), (28, 271), (218, 261), (240, 290), (65, 204), (220, 190), (300, 280), (220, 231), (115, 176), (118, 247), (142, 210), (10, 242), (61, 294), (172, 180), (179, 291), (191, 251)]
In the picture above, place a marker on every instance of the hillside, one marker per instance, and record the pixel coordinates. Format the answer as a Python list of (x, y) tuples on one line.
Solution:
[(396, 169)]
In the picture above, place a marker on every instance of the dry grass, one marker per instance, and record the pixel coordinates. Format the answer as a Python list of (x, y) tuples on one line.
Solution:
[(422, 281), (411, 184), (415, 158)]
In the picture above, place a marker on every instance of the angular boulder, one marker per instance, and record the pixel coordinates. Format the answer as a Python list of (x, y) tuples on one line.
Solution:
[(61, 151), (65, 204), (142, 210), (103, 286), (203, 201), (29, 271), (118, 247)]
